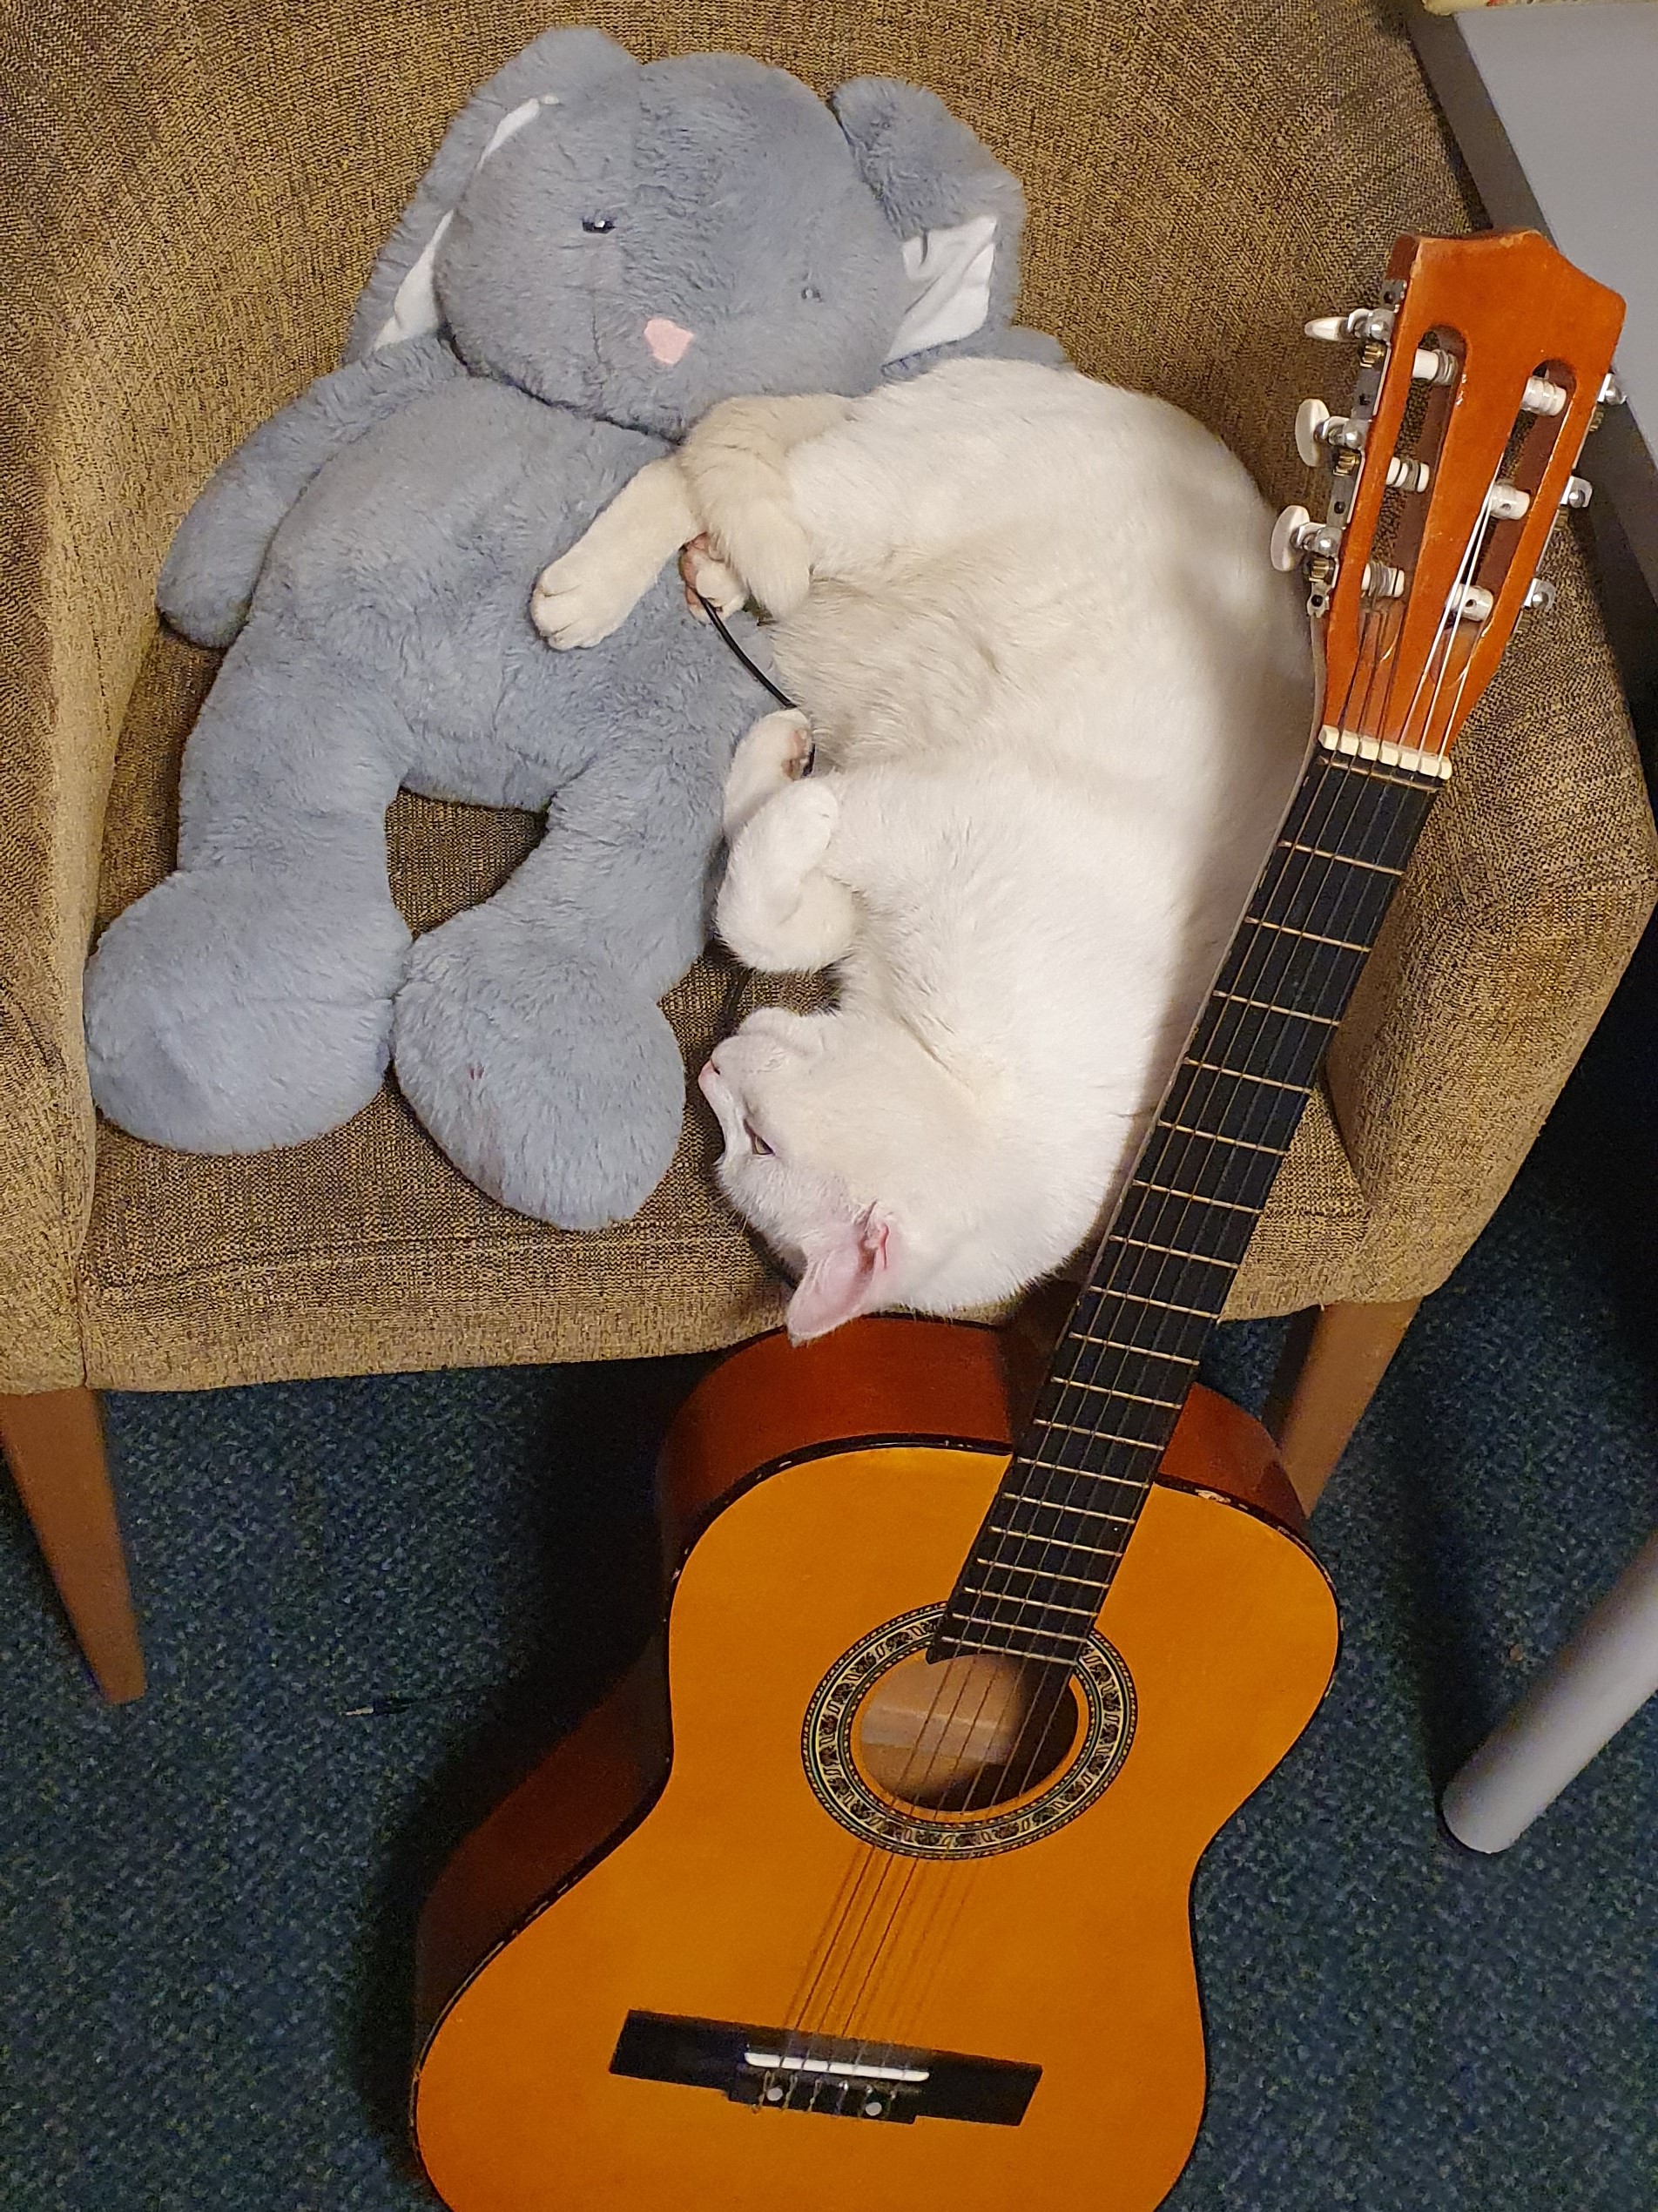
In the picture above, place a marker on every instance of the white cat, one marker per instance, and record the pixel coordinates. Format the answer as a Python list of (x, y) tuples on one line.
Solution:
[(1059, 698)]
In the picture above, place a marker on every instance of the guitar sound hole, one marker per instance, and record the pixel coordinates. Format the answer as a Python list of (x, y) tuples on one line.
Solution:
[(967, 1734)]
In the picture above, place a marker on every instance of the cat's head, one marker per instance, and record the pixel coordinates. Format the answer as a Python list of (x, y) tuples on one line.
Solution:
[(878, 1178)]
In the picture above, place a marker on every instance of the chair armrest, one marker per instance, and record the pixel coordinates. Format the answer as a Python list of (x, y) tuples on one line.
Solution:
[(1523, 902), (165, 292)]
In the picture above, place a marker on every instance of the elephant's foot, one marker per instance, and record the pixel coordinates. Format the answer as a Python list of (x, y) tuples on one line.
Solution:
[(547, 1076), (233, 1009)]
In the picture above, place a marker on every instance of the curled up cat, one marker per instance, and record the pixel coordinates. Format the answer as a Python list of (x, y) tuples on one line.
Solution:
[(1055, 699)]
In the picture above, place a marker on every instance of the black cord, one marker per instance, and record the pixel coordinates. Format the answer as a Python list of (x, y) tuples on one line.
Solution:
[(758, 674)]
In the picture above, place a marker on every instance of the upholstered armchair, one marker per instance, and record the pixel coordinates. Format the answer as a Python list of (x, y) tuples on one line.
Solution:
[(193, 196)]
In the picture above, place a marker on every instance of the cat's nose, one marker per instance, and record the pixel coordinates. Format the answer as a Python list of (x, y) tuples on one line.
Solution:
[(708, 1080), (666, 340)]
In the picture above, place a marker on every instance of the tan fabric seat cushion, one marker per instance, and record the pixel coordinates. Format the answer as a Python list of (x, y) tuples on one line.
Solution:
[(200, 192), (284, 1256)]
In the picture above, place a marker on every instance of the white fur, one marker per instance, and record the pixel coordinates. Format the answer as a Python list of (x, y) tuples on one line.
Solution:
[(1059, 698)]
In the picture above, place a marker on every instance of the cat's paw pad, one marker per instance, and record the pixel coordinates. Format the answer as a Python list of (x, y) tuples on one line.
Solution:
[(773, 754), (706, 576), (582, 598)]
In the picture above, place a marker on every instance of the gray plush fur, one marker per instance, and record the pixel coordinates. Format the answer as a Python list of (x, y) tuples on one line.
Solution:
[(369, 558)]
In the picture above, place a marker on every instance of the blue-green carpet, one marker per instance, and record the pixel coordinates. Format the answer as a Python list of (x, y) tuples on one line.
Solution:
[(365, 1602)]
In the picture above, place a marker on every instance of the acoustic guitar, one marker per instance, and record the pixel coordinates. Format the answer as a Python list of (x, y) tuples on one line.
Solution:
[(869, 1885)]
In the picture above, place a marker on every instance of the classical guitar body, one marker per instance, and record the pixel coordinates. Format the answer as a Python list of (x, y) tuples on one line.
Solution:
[(605, 1960)]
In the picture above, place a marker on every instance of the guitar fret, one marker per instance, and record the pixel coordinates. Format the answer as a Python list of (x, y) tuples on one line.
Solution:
[(1193, 1198), (1376, 774), (1292, 1012), (1178, 1252), (1105, 1436), (1322, 852), (1213, 1137), (1072, 1643), (1065, 1544), (1138, 1398), (1312, 936), (1141, 1351), (1061, 1505), (1212, 1067), (1037, 1573), (1138, 1297), (1079, 1428), (1002, 1597)]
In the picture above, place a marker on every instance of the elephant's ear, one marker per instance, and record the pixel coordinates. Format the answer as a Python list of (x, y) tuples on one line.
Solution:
[(397, 301), (957, 210)]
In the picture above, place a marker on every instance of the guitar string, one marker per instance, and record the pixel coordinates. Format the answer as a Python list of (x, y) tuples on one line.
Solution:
[(1038, 1719), (1288, 889), (903, 1790), (1042, 1709), (1442, 649), (1184, 1156), (1024, 1608), (881, 1860), (1203, 1101), (1041, 1712), (919, 1869), (929, 1718)]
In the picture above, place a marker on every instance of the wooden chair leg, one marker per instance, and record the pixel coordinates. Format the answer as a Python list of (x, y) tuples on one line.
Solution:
[(1333, 1358), (54, 1445)]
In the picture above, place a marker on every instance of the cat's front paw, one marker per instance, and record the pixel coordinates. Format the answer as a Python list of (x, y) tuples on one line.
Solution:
[(707, 577), (583, 595), (775, 753)]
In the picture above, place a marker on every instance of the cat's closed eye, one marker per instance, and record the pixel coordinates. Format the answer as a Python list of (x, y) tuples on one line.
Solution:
[(756, 1142)]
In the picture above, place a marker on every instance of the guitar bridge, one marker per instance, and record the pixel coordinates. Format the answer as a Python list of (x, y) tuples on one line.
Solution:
[(849, 2077)]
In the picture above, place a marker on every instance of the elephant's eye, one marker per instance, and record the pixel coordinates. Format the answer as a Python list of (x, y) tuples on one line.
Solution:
[(811, 291), (598, 224)]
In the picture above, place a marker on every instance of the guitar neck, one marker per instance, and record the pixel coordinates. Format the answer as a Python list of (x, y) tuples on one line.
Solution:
[(1067, 1507)]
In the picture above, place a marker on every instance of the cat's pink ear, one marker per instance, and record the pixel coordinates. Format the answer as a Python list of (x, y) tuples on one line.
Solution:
[(846, 1276)]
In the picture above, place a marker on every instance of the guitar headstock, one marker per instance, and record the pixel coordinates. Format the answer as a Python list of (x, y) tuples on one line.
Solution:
[(1479, 375)]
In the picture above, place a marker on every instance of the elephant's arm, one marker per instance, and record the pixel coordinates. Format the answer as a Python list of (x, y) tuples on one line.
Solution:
[(207, 579)]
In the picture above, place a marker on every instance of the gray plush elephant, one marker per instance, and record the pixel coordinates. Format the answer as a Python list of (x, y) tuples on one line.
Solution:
[(600, 251)]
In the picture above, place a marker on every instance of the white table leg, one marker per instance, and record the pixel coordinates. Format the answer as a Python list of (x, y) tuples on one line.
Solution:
[(1578, 1702)]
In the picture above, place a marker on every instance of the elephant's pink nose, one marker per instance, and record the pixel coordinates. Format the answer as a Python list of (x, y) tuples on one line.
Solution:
[(666, 340)]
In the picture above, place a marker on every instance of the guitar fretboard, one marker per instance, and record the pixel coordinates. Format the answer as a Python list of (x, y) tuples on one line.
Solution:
[(1043, 1561)]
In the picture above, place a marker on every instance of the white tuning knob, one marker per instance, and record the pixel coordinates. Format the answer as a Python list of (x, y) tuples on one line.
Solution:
[(1292, 527), (1311, 418), (1540, 598), (1358, 322), (1578, 493), (1294, 535)]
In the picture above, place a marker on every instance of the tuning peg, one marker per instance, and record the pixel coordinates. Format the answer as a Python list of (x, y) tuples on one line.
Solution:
[(1469, 602), (1294, 535), (1540, 598), (1611, 393), (1541, 397), (1311, 418), (1578, 493), (1507, 503), (1356, 322)]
